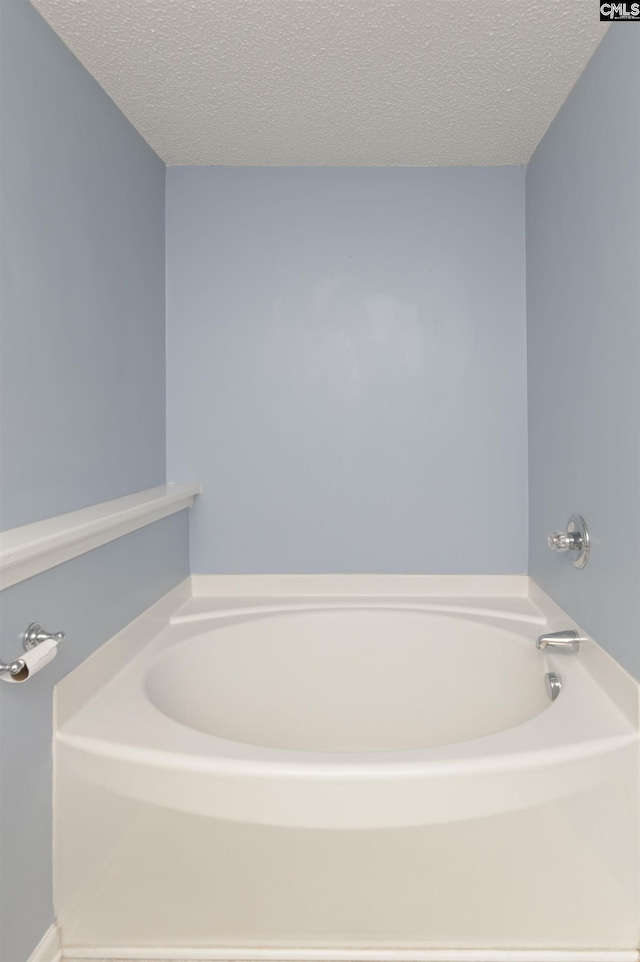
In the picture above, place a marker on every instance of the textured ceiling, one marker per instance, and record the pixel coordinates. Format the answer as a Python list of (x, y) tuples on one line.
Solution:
[(334, 82)]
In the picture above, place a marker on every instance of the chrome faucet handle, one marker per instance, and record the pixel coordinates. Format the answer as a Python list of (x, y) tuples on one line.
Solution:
[(565, 541), (35, 634), (575, 538)]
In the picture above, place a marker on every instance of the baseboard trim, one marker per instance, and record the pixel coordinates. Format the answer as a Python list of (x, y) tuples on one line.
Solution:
[(48, 948), (249, 954)]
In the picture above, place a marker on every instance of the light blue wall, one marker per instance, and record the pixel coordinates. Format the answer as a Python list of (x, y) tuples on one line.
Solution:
[(346, 367), (583, 317), (82, 370), (83, 398)]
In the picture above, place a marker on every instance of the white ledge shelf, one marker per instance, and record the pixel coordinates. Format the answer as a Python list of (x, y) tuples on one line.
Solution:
[(33, 548)]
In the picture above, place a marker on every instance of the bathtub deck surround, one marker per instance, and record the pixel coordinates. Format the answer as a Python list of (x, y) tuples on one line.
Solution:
[(507, 587), (371, 849), (369, 955), (364, 955)]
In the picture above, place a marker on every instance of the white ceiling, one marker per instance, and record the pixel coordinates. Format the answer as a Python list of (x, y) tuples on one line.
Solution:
[(334, 82)]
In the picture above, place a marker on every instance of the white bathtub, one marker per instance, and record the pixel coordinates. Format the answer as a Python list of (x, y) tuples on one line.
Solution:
[(319, 743)]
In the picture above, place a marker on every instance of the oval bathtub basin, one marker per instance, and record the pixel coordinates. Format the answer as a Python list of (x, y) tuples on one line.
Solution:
[(347, 715), (351, 681)]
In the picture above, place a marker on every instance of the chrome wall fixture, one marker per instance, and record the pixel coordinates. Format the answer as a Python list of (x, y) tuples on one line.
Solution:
[(575, 539), (33, 636)]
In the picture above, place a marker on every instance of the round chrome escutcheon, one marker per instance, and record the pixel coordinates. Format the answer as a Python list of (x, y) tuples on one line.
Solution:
[(578, 525)]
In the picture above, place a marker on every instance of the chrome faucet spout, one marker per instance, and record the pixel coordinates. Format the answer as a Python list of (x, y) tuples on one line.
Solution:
[(562, 640)]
